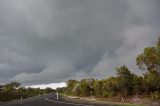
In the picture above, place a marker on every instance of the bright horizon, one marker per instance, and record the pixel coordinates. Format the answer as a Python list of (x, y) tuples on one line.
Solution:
[(50, 85)]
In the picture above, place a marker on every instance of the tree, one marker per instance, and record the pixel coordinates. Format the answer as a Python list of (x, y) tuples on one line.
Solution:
[(150, 58), (125, 82), (152, 81), (15, 84), (86, 87), (70, 85), (98, 88), (110, 87), (49, 90), (77, 89), (1, 87), (138, 84)]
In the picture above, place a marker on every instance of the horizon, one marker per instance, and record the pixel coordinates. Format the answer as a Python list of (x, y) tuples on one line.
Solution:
[(50, 85)]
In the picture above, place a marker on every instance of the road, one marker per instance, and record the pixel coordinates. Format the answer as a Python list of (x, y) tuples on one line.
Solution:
[(47, 100)]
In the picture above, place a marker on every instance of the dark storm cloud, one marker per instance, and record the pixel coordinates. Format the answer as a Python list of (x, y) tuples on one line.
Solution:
[(54, 40)]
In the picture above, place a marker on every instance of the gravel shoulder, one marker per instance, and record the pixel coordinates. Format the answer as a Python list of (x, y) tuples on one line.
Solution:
[(98, 102)]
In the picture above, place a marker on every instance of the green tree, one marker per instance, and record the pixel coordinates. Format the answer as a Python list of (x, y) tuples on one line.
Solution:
[(152, 81), (110, 87), (48, 90), (1, 87), (77, 89), (15, 84), (70, 85), (125, 82), (98, 85), (138, 84), (86, 87), (150, 58)]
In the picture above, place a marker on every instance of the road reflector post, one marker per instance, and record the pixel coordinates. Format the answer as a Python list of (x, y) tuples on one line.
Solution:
[(122, 99), (57, 95)]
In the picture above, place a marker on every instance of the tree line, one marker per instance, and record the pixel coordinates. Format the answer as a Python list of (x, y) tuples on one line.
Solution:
[(14, 91), (125, 83)]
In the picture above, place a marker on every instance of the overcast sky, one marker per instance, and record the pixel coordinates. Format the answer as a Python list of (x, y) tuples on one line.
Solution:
[(50, 41)]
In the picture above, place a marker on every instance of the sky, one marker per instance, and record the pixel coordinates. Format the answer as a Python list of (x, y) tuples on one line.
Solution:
[(52, 41)]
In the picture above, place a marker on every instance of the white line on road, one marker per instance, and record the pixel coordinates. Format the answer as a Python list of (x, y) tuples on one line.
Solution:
[(67, 103), (23, 101), (11, 103)]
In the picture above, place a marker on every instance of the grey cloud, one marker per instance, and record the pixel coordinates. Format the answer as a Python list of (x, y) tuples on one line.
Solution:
[(54, 40)]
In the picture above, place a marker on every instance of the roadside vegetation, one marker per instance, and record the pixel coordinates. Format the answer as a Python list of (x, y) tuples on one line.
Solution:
[(14, 91), (125, 84)]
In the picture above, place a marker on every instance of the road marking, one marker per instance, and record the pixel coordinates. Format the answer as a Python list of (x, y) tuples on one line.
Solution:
[(26, 100), (46, 99), (22, 101), (12, 103), (67, 103)]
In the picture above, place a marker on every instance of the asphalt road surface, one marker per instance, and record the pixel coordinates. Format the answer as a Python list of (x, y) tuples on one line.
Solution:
[(46, 100)]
